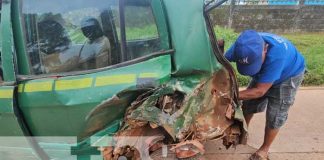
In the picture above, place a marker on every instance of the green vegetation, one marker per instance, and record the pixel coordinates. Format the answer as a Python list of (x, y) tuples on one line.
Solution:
[(76, 36), (140, 33), (145, 32), (309, 44), (227, 34), (132, 33)]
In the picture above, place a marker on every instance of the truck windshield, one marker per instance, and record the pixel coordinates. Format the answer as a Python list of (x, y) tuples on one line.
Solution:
[(64, 36)]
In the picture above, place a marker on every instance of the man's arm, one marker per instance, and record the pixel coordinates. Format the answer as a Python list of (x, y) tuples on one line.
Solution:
[(252, 93)]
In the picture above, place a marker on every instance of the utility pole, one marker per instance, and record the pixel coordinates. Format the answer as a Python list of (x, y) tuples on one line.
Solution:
[(301, 2), (299, 14), (231, 12)]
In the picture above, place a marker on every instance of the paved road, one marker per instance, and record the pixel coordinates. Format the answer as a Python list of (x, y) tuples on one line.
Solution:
[(302, 138)]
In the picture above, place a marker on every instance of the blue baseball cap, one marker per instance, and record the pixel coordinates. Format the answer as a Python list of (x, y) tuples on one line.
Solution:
[(247, 53)]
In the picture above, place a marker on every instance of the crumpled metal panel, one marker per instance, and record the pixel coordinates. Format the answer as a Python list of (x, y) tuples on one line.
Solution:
[(97, 119), (208, 108), (207, 112)]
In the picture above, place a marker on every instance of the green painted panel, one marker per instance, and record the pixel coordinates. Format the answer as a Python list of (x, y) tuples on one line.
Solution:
[(6, 42), (58, 106), (9, 125), (8, 121), (160, 19), (22, 60), (6, 106), (189, 37)]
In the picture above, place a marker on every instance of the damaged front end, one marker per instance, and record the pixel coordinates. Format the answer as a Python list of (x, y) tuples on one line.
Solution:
[(180, 116)]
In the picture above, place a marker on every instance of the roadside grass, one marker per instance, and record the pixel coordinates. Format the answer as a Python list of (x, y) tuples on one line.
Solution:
[(311, 45), (146, 32)]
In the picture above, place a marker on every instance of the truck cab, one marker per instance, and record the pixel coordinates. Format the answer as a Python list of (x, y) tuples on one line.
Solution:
[(63, 60)]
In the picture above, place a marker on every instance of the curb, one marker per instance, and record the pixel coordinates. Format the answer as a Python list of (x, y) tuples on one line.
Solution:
[(300, 88), (312, 88)]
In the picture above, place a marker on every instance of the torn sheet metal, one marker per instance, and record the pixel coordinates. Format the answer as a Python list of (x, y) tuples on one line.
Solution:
[(184, 119), (99, 117)]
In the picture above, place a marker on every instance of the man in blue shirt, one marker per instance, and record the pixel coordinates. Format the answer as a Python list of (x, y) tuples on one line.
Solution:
[(277, 70)]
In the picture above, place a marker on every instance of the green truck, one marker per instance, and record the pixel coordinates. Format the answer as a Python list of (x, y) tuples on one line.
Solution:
[(71, 71)]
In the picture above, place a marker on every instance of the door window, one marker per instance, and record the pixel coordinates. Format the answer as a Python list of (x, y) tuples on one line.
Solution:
[(141, 31), (76, 36), (83, 35)]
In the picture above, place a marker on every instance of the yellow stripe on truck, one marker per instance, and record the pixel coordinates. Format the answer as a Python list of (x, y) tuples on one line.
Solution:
[(6, 93), (38, 86), (20, 88), (148, 75), (61, 85), (115, 79), (71, 84)]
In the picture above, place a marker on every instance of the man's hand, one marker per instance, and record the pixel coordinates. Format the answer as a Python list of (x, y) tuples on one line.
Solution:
[(256, 92), (221, 45)]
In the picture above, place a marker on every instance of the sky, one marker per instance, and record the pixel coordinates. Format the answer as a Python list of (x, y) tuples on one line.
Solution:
[(62, 6)]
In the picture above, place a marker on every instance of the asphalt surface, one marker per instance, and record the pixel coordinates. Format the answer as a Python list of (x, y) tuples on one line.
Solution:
[(302, 137)]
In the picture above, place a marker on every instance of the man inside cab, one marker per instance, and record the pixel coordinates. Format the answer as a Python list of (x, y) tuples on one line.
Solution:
[(96, 52)]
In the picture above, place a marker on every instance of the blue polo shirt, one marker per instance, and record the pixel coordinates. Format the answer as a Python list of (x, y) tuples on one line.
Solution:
[(282, 60)]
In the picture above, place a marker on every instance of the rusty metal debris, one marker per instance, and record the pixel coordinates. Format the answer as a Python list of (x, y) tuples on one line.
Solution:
[(214, 118), (188, 148), (180, 119)]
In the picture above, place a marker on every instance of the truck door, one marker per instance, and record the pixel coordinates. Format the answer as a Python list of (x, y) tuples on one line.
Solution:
[(84, 52)]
